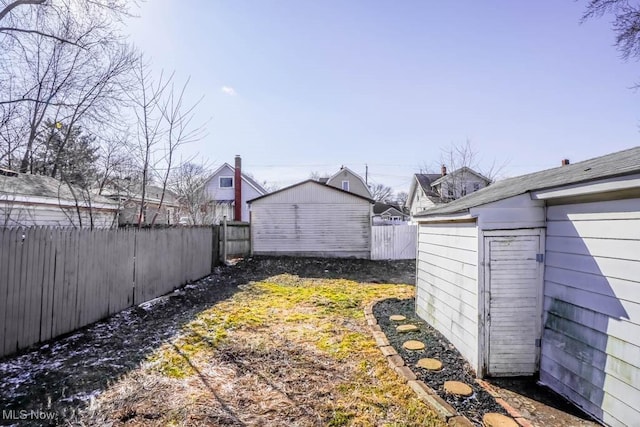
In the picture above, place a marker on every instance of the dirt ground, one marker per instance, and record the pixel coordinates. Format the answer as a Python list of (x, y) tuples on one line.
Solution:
[(75, 374)]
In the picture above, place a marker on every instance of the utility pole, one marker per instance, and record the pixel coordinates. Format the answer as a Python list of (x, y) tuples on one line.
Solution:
[(366, 174)]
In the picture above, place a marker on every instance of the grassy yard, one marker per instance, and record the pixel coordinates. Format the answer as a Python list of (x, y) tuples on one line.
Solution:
[(284, 351)]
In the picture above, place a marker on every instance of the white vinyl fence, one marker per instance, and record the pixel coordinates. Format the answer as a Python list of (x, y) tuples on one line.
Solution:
[(393, 241), (54, 280)]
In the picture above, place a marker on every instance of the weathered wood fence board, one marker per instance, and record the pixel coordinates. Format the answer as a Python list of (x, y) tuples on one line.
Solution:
[(53, 281), (393, 242), (238, 239)]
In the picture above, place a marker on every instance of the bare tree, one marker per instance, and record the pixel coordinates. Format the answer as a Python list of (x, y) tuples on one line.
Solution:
[(164, 124), (460, 161), (381, 193), (401, 198), (58, 16), (626, 23), (317, 176), (187, 181)]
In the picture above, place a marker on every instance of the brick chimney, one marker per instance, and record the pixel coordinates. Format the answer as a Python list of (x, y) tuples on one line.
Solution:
[(237, 183), (443, 170), (565, 162)]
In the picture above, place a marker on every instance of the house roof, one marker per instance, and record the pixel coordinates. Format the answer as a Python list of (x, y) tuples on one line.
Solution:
[(380, 208), (252, 182), (463, 169), (611, 165), (314, 182), (425, 180), (120, 189), (27, 185)]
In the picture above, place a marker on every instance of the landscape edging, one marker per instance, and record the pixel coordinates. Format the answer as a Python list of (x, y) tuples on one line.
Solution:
[(425, 393)]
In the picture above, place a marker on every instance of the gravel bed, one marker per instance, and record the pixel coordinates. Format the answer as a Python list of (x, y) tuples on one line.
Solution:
[(455, 367)]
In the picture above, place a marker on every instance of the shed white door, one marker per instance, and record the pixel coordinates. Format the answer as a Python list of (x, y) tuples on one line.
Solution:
[(513, 278)]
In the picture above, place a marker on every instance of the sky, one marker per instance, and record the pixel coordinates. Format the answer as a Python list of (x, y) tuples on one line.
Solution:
[(301, 86)]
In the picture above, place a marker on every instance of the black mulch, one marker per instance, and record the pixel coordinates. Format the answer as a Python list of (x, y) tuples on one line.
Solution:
[(455, 367)]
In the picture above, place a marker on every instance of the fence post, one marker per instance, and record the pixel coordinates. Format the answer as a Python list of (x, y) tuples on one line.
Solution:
[(215, 242), (224, 239)]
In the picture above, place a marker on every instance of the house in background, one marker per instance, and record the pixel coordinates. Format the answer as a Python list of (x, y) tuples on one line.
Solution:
[(227, 191), (421, 195), (129, 197), (347, 180), (386, 214), (459, 183), (540, 274), (37, 200), (311, 219)]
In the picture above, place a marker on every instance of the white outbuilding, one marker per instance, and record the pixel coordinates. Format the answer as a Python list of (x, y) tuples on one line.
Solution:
[(311, 219), (540, 274)]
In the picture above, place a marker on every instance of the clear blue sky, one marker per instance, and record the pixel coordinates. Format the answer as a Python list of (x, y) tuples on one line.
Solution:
[(297, 86)]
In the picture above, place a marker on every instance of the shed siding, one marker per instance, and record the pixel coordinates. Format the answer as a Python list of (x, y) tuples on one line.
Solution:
[(591, 338), (447, 283), (310, 220)]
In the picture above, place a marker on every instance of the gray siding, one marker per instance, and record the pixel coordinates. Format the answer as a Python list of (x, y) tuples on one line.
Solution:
[(311, 220), (447, 283), (356, 185), (591, 337), (14, 214)]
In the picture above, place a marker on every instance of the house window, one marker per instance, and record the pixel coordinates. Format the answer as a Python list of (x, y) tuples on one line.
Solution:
[(345, 185), (476, 186), (226, 182), (450, 192)]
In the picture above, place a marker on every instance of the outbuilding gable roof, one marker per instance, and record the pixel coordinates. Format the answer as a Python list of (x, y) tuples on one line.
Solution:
[(315, 183), (611, 165), (19, 185)]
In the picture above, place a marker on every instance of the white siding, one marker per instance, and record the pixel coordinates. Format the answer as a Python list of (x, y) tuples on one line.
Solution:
[(214, 191), (311, 220), (15, 214), (420, 202), (511, 214), (447, 283), (591, 338)]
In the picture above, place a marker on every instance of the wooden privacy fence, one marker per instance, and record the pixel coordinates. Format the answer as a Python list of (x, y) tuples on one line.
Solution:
[(54, 280), (393, 241), (235, 239)]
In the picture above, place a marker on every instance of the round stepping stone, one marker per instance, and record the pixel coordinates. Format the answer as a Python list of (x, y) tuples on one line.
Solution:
[(458, 388), (406, 328), (430, 364), (397, 318), (498, 420), (413, 345)]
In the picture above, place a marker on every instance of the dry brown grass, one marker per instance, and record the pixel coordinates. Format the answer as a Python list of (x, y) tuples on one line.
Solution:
[(282, 352)]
